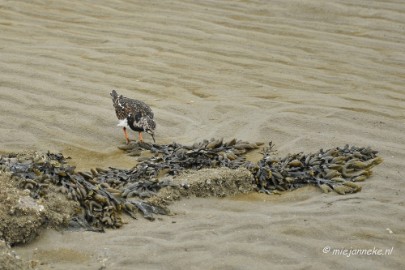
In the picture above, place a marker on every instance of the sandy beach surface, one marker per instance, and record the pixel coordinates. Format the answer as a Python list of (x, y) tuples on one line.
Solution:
[(305, 75)]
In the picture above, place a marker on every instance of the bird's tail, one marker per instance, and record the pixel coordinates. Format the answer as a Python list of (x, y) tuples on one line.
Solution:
[(114, 95)]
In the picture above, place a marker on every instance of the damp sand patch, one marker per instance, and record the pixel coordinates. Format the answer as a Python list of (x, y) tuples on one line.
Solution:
[(213, 182)]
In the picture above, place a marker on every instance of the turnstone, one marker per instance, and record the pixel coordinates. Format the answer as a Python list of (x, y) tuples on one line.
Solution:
[(134, 114)]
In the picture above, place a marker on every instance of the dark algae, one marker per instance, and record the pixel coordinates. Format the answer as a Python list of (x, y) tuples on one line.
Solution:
[(168, 170)]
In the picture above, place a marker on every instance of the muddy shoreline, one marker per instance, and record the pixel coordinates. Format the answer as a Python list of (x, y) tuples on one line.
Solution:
[(304, 74)]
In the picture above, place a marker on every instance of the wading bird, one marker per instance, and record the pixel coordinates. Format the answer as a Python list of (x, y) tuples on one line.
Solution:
[(133, 114)]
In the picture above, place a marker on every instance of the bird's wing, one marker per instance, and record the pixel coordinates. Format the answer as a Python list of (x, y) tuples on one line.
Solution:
[(139, 106)]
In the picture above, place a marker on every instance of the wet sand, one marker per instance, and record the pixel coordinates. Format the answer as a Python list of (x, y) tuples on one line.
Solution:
[(303, 74)]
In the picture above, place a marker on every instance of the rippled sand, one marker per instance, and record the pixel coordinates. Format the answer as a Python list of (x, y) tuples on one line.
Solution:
[(304, 74)]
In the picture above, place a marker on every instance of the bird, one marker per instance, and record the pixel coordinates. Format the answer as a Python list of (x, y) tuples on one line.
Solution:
[(133, 114)]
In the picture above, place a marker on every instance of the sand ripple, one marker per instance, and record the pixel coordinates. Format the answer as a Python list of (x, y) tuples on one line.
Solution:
[(304, 74)]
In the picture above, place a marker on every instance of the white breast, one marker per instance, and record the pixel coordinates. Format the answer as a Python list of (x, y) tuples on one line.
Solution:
[(123, 123)]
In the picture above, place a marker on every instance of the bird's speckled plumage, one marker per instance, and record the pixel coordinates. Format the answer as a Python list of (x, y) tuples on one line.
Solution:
[(138, 115)]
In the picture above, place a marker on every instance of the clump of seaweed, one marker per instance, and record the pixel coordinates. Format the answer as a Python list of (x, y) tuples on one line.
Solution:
[(174, 158), (103, 194), (101, 205), (335, 169)]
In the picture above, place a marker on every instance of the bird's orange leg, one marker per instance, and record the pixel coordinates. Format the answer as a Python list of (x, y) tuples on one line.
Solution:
[(126, 134), (140, 137)]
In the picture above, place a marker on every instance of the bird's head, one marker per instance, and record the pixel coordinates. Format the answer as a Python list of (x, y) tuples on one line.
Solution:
[(150, 128)]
